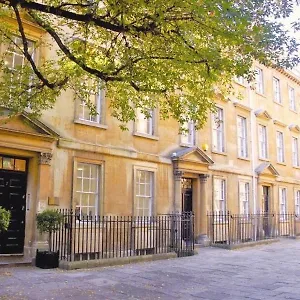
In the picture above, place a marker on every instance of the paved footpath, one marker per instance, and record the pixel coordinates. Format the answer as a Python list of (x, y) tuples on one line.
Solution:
[(262, 272)]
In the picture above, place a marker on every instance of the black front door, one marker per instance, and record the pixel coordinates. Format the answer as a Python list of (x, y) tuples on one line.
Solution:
[(12, 198), (266, 199), (187, 209), (266, 210), (187, 195)]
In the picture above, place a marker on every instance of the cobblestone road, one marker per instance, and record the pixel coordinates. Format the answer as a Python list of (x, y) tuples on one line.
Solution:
[(263, 272)]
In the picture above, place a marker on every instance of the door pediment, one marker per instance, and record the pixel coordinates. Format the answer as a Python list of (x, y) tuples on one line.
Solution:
[(24, 124), (194, 155), (266, 169)]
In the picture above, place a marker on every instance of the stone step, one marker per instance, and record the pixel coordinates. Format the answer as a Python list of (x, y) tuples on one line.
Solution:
[(7, 261)]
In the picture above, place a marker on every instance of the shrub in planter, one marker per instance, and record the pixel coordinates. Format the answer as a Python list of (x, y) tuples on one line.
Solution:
[(4, 219), (48, 221)]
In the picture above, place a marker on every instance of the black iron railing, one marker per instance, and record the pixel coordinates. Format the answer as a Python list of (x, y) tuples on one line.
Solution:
[(228, 228), (101, 237)]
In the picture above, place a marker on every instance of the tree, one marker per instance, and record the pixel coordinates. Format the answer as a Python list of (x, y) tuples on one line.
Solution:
[(170, 54)]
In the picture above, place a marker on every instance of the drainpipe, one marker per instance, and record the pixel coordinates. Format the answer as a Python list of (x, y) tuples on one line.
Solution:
[(253, 143)]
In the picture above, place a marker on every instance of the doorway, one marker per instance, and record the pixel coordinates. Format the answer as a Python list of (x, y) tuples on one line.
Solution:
[(187, 209), (266, 199), (266, 210), (187, 194), (13, 182)]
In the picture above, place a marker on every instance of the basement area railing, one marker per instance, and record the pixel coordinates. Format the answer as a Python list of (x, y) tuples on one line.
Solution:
[(100, 237), (228, 228)]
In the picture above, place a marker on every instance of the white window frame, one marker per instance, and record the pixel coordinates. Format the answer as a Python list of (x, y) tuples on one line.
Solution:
[(276, 90), (138, 192), (11, 50), (283, 203), (242, 137), (292, 99), (82, 109), (241, 80), (218, 130), (297, 203), (259, 80), (98, 193), (188, 138), (220, 196), (15, 53), (262, 141), (143, 125), (295, 152), (244, 197), (280, 147)]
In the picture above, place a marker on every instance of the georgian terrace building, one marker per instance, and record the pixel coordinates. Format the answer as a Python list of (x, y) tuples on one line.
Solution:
[(245, 159)]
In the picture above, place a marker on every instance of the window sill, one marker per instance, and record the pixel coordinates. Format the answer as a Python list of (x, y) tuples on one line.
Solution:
[(296, 167), (264, 159), (281, 163), (244, 158), (186, 145), (260, 94), (92, 124), (219, 153), (278, 103), (294, 111), (244, 85), (146, 136)]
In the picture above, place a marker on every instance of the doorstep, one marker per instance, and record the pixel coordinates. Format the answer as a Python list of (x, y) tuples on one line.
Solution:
[(14, 260)]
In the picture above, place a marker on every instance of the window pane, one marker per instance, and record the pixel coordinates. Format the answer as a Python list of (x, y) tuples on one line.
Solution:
[(86, 171), (219, 195), (87, 183), (20, 165), (259, 81), (188, 136), (142, 189), (8, 60), (93, 184), (91, 211), (92, 200), (91, 109), (144, 124), (84, 200), (218, 130), (276, 89), (143, 196), (8, 163), (18, 61)]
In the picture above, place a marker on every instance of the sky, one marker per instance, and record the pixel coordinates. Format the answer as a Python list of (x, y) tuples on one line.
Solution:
[(287, 22)]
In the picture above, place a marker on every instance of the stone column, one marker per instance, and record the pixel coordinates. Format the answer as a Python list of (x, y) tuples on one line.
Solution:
[(44, 191), (45, 180), (202, 237), (177, 191)]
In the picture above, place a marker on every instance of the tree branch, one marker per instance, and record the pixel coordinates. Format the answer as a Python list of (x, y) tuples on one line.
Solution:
[(88, 17), (74, 5), (30, 59), (69, 54)]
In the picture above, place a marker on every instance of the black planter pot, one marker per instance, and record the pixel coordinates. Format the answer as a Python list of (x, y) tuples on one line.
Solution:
[(46, 259)]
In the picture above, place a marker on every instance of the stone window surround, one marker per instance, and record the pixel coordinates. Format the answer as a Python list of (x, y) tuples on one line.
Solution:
[(101, 173), (138, 167)]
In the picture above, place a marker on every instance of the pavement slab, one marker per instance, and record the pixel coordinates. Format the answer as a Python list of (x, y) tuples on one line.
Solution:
[(256, 273)]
